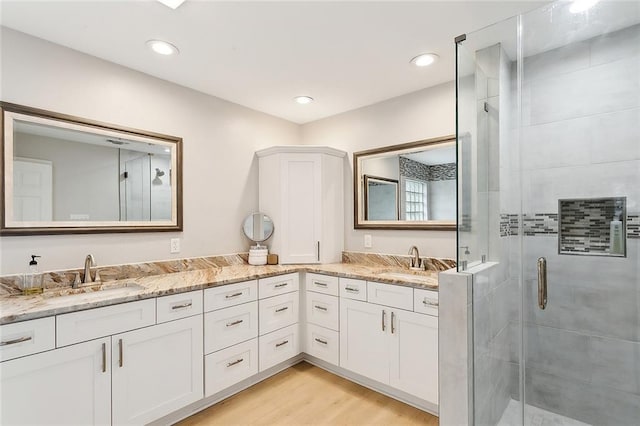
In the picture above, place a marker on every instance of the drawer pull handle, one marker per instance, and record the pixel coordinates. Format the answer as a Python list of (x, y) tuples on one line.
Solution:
[(322, 308), (320, 284), (14, 341), (429, 302), (281, 285), (104, 357), (352, 290), (238, 361), (120, 353), (184, 305), (324, 342), (282, 309), (281, 343), (236, 322), (229, 296)]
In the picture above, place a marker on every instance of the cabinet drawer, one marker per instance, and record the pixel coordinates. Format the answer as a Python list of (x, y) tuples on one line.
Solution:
[(27, 337), (273, 286), (227, 327), (230, 295), (279, 311), (229, 366), (86, 325), (425, 301), (390, 295), (322, 343), (178, 306), (279, 346), (353, 289), (322, 283), (322, 310)]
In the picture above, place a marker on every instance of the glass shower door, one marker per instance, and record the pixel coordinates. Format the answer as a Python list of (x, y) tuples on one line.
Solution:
[(579, 85)]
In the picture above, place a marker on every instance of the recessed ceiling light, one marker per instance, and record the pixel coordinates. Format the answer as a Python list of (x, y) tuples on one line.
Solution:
[(162, 47), (303, 100), (424, 59), (173, 4), (578, 6), (167, 150)]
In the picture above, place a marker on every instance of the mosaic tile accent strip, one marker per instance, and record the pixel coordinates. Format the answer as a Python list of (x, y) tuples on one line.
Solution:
[(415, 170), (585, 225), (392, 260), (540, 224), (509, 224), (633, 226)]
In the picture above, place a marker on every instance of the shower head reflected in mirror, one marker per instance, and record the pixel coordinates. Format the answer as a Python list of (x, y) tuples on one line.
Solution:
[(157, 180)]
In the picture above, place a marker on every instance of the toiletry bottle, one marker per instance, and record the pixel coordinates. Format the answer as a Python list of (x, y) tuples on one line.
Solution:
[(615, 236), (32, 281)]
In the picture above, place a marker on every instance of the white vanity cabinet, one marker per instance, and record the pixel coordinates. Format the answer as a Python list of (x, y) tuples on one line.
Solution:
[(389, 344), (301, 188), (156, 370), (322, 312), (71, 385)]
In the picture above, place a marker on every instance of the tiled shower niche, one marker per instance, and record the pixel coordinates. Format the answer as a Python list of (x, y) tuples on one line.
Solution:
[(596, 226)]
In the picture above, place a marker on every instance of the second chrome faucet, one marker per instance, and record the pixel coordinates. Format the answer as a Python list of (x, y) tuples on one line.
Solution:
[(89, 261), (415, 260)]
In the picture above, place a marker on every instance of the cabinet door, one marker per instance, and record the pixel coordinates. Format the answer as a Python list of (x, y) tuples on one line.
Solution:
[(414, 357), (66, 386), (301, 208), (157, 370), (363, 339)]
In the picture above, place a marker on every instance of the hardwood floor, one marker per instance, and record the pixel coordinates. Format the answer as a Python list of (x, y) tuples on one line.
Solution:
[(304, 395)]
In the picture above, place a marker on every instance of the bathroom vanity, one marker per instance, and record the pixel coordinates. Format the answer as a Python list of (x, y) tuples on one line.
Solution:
[(183, 341)]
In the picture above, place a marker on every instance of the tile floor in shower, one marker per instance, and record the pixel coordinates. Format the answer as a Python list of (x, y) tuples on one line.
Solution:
[(535, 416)]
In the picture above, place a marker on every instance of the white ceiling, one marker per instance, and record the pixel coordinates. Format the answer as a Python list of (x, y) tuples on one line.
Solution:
[(261, 54)]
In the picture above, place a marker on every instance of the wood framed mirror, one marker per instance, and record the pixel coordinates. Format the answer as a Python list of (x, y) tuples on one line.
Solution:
[(63, 174), (406, 186)]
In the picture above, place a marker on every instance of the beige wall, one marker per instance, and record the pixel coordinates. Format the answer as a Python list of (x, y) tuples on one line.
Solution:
[(220, 138), (420, 115)]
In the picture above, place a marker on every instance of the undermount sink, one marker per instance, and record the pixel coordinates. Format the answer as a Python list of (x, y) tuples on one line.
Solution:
[(95, 291), (407, 276)]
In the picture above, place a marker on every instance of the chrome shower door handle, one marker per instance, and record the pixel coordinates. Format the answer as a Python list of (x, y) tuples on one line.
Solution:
[(542, 282)]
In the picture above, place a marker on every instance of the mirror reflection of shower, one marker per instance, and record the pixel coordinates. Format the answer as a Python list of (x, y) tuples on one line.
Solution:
[(145, 187)]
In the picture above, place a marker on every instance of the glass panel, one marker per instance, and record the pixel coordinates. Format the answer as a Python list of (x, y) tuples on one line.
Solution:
[(580, 141)]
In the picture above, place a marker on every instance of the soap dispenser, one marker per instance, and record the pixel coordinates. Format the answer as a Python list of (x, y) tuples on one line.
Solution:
[(32, 281), (616, 235)]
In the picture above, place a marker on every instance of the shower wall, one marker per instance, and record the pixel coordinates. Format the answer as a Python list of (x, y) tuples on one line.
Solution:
[(580, 139)]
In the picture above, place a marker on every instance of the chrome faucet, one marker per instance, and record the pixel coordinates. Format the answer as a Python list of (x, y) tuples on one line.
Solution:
[(89, 261), (415, 261)]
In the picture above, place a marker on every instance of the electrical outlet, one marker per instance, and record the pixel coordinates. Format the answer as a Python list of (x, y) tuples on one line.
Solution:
[(175, 245), (367, 241)]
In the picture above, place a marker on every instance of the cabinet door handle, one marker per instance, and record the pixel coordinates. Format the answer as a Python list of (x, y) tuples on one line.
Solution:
[(104, 357), (393, 316), (281, 343), (183, 305), (324, 342), (384, 320), (320, 284), (14, 341), (229, 296), (282, 309), (232, 323), (318, 251), (238, 361), (322, 308), (281, 285), (352, 290), (120, 353)]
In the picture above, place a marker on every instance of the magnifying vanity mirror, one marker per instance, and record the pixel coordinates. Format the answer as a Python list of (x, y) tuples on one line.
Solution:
[(64, 174), (406, 186), (258, 227)]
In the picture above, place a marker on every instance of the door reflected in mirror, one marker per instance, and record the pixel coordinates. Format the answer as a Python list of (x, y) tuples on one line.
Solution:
[(65, 174), (408, 186)]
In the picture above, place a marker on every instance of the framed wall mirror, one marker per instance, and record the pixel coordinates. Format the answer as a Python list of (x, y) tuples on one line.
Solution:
[(63, 174), (406, 186)]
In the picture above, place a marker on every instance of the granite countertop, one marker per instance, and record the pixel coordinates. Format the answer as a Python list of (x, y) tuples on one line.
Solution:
[(61, 300)]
